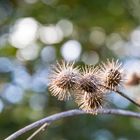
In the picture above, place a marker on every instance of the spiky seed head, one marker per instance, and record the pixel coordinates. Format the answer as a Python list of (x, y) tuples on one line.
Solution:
[(90, 102), (62, 79), (111, 74), (89, 81), (89, 95)]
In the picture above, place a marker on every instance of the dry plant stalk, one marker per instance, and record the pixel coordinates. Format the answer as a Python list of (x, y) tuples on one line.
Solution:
[(75, 112)]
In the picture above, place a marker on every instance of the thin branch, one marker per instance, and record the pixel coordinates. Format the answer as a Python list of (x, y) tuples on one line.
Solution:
[(69, 113), (128, 98), (42, 128), (123, 95)]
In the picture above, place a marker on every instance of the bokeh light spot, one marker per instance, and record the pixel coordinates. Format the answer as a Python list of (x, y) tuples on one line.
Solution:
[(48, 54), (24, 32), (51, 34), (31, 52), (40, 81), (103, 134), (5, 65), (135, 37), (31, 1), (71, 50), (37, 102), (97, 36), (90, 58), (13, 93), (1, 105), (66, 27)]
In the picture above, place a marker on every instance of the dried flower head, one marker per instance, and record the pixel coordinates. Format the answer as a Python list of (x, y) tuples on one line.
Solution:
[(90, 102), (89, 95), (89, 81), (111, 74), (63, 79)]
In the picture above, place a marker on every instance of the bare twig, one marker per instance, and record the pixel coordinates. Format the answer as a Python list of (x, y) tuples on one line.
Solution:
[(123, 95), (128, 98), (69, 113), (42, 128)]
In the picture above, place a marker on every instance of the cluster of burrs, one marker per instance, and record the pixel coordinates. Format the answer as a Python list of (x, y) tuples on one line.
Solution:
[(88, 86)]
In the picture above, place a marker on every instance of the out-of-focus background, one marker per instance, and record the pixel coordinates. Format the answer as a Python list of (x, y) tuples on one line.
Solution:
[(36, 33)]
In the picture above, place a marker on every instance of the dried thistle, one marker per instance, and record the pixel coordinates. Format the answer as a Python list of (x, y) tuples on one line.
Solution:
[(89, 81), (89, 95), (90, 87), (90, 102), (111, 74), (63, 79)]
